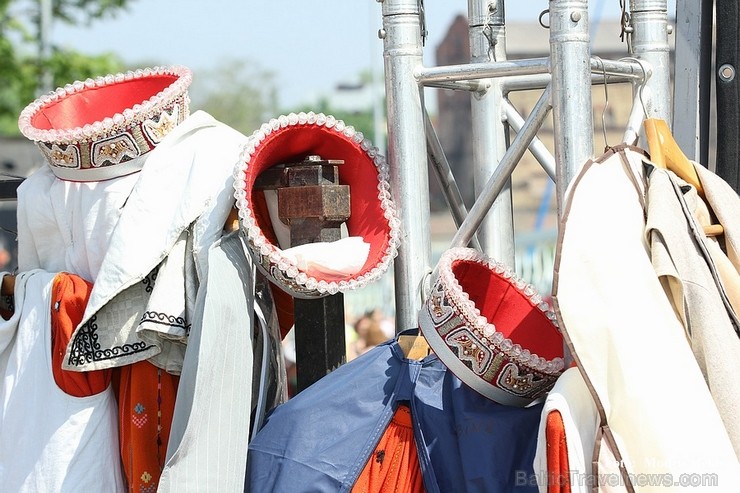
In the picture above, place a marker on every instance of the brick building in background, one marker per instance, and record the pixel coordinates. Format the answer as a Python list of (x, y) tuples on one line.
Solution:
[(453, 118), (531, 193)]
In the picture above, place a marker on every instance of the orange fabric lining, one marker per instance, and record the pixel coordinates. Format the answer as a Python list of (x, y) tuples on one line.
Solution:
[(146, 402), (69, 297), (558, 478), (394, 464)]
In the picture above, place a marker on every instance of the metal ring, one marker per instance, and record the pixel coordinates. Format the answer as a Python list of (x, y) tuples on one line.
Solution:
[(542, 14)]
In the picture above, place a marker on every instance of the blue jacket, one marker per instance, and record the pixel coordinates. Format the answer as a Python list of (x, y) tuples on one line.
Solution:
[(320, 440)]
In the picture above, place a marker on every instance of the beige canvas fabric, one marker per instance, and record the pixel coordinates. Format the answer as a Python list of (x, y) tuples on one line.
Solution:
[(686, 262), (723, 201), (659, 417)]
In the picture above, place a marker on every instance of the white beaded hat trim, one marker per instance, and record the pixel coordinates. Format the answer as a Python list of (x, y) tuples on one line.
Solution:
[(518, 376), (271, 258), (109, 147)]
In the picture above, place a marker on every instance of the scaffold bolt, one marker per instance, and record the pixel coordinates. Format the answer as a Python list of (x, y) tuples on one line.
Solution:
[(727, 72)]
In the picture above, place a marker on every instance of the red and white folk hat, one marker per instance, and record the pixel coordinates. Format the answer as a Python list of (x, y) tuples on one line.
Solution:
[(372, 219), (491, 329), (102, 128)]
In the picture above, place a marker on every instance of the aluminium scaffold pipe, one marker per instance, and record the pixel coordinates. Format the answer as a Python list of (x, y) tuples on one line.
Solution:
[(487, 37), (407, 155), (447, 182), (502, 173)]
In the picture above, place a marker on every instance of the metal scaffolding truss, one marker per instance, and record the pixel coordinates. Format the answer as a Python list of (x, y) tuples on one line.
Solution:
[(565, 77)]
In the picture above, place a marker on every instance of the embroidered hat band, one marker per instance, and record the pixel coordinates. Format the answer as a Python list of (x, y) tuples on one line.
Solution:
[(491, 329), (98, 129)]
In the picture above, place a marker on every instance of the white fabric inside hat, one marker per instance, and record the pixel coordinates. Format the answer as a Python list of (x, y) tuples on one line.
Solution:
[(346, 256)]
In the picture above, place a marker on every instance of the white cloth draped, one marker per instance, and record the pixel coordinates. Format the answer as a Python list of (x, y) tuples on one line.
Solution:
[(49, 441), (176, 207), (144, 242), (571, 398), (210, 426)]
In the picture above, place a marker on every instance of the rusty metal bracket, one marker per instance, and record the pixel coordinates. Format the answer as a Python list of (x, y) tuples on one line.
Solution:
[(313, 204)]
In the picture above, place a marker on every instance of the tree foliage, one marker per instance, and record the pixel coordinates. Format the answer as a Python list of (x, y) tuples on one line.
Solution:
[(78, 11), (238, 93), (20, 64), (362, 121), (19, 88)]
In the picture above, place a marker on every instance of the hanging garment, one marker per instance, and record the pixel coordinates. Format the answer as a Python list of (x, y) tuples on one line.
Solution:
[(681, 257), (321, 439), (660, 418), (210, 430), (49, 440), (719, 195), (144, 238), (69, 295), (394, 464), (558, 477), (175, 212), (119, 231), (269, 378), (67, 225), (146, 400), (145, 393), (148, 193), (566, 436)]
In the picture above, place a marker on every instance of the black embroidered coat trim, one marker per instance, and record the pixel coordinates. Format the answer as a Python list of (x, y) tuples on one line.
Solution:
[(85, 347)]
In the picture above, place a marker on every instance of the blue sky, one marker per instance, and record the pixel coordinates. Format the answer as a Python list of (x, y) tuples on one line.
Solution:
[(310, 45)]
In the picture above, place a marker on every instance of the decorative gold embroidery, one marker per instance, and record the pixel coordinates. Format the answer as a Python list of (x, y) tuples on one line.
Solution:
[(66, 158), (520, 383), (114, 150), (437, 305), (516, 381), (469, 350), (158, 130)]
